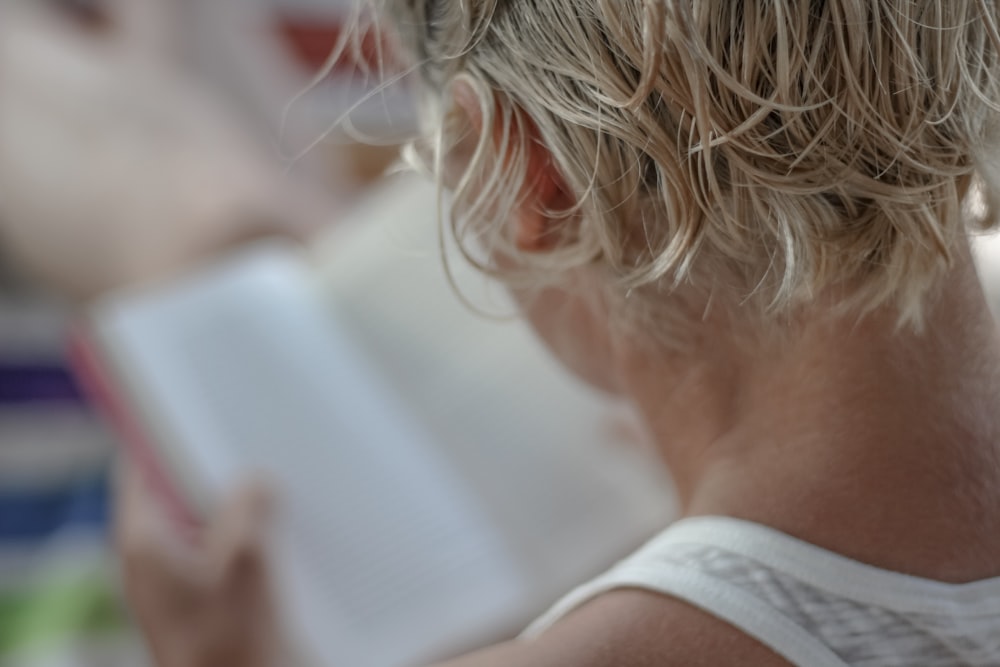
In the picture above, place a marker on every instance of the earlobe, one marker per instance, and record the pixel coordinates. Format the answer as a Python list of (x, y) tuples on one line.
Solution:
[(533, 232), (537, 230), (543, 191)]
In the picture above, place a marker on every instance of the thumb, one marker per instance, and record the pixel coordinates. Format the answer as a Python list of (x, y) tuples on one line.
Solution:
[(236, 535)]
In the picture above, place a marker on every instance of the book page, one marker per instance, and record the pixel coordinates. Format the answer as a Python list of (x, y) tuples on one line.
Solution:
[(562, 468), (384, 557)]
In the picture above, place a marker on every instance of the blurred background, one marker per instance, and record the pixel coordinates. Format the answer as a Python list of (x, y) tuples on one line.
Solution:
[(60, 599), (320, 144)]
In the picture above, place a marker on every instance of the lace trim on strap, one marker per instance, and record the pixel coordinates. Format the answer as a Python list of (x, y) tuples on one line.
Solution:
[(829, 571)]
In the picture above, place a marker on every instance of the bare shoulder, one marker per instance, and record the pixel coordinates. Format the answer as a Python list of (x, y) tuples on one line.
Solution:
[(632, 628)]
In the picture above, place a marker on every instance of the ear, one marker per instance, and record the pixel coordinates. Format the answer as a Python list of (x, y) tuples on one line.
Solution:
[(543, 190)]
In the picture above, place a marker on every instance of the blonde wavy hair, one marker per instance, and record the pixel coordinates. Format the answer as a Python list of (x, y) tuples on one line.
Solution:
[(770, 152)]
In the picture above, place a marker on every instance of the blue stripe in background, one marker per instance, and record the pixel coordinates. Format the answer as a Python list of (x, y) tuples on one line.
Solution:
[(28, 516), (30, 513), (23, 383)]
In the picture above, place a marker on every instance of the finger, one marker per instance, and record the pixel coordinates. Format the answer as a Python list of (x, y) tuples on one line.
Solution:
[(165, 579), (235, 541), (138, 513), (147, 538)]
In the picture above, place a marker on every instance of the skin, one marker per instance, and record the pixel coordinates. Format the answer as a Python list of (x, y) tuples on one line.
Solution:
[(876, 443), (841, 435)]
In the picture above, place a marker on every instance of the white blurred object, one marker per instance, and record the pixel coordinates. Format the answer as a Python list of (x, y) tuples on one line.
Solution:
[(443, 478), (381, 555), (563, 469)]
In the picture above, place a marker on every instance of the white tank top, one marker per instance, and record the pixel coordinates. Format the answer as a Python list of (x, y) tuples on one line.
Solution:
[(813, 607)]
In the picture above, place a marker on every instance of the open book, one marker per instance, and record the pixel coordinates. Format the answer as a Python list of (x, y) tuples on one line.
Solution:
[(440, 480)]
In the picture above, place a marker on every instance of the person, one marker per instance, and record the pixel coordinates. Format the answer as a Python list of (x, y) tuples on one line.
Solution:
[(752, 220)]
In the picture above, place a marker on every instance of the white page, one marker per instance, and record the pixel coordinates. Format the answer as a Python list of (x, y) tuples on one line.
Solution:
[(383, 556), (559, 466)]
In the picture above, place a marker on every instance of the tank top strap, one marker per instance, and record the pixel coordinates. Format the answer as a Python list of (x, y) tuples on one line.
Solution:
[(725, 601)]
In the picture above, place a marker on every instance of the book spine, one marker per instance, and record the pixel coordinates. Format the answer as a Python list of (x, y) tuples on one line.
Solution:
[(99, 382)]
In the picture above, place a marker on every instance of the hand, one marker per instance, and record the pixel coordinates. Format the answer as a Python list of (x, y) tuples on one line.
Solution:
[(204, 602), (115, 168)]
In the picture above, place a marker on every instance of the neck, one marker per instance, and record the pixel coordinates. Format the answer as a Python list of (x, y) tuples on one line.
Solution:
[(869, 440)]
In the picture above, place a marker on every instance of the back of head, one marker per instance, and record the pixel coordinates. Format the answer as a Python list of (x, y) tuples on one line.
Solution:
[(765, 153)]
